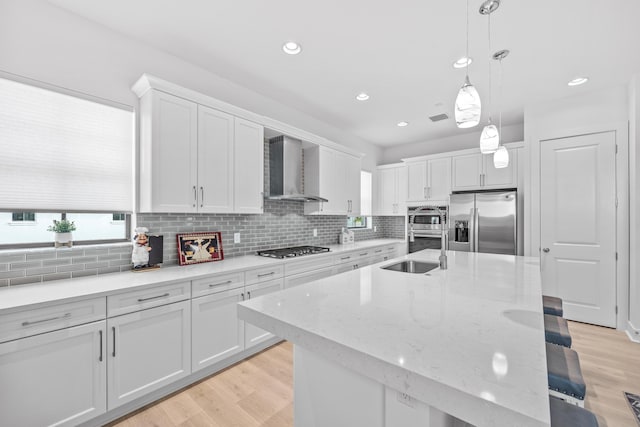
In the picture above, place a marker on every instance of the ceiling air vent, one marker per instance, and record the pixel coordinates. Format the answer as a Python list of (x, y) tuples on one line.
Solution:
[(439, 117)]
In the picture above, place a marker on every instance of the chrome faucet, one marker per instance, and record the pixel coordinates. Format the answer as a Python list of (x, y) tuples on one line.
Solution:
[(443, 239)]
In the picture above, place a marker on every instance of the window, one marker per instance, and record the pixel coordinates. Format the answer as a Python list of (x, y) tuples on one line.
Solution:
[(23, 216), (364, 220), (63, 153)]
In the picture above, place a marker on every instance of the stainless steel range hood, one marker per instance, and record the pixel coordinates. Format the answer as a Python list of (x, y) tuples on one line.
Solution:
[(285, 171)]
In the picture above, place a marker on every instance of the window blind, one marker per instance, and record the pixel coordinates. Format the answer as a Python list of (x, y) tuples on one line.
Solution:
[(62, 153)]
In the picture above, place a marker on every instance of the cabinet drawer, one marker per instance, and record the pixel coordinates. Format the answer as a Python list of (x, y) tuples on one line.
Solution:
[(147, 298), (263, 274), (216, 283), (345, 257), (50, 318), (312, 263)]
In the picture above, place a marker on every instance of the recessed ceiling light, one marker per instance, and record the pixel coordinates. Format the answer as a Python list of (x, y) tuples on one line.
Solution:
[(462, 62), (292, 48), (578, 81), (403, 124), (362, 96)]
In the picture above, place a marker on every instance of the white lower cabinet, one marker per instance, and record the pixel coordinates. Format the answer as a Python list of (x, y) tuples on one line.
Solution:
[(310, 276), (56, 378), (216, 331), (147, 350), (252, 334)]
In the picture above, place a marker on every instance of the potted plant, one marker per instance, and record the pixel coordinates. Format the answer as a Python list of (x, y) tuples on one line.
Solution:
[(62, 230)]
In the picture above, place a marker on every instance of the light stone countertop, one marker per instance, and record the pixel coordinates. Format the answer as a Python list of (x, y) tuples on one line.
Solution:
[(468, 340), (31, 296)]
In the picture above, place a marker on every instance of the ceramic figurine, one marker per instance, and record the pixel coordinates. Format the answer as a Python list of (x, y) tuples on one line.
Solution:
[(141, 248)]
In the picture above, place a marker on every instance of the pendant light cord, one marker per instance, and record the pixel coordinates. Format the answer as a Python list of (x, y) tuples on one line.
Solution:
[(467, 68), (489, 37), (500, 99)]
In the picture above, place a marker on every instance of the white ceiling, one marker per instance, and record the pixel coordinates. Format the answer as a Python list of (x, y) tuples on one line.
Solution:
[(401, 53)]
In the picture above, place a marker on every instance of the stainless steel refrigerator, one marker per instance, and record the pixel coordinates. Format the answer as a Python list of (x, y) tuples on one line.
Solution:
[(483, 222)]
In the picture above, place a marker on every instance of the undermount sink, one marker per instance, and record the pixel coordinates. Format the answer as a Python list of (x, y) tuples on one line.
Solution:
[(410, 266)]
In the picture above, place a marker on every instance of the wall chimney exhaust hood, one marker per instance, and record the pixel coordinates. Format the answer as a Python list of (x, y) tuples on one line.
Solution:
[(285, 171)]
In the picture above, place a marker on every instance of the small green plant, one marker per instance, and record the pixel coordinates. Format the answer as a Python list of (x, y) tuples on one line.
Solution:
[(62, 226)]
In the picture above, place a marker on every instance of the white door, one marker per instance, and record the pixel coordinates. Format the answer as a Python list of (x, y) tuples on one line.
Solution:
[(249, 167), (417, 185), (352, 183), (147, 350), (578, 225), (503, 177), (216, 331), (57, 378), (252, 334), (215, 161), (439, 179), (466, 171)]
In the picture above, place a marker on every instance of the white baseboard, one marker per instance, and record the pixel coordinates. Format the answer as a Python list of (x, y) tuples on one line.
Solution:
[(632, 332)]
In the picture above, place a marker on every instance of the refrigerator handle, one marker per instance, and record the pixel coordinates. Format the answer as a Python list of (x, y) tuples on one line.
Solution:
[(472, 227), (476, 226)]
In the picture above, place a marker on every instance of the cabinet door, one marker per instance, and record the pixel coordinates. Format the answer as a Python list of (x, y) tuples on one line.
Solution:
[(216, 331), (252, 334), (248, 167), (147, 350), (352, 183), (439, 179), (57, 378), (173, 149), (417, 177), (387, 186), (504, 177), (215, 161), (466, 172), (402, 186)]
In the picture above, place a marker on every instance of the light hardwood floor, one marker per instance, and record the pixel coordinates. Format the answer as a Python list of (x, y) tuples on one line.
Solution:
[(258, 391)]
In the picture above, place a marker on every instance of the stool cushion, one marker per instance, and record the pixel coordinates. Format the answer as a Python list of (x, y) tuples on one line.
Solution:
[(563, 371), (565, 414), (552, 305), (556, 330)]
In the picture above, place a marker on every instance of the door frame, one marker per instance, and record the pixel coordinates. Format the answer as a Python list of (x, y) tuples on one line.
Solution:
[(532, 206)]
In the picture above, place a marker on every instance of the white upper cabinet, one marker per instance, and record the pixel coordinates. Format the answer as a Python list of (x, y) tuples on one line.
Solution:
[(197, 159), (429, 180), (249, 167), (334, 176), (476, 172), (391, 190)]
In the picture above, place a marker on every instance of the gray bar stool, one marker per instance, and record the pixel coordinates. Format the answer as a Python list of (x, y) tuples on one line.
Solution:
[(564, 414), (556, 330), (552, 305), (564, 375)]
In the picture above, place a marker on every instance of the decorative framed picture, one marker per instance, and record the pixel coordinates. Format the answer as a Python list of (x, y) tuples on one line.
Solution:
[(194, 248)]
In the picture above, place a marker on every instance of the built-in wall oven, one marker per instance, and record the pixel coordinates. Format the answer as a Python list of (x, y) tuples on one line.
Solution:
[(426, 228)]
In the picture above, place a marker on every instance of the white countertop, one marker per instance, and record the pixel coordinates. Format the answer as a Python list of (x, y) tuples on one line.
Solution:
[(468, 340), (30, 296)]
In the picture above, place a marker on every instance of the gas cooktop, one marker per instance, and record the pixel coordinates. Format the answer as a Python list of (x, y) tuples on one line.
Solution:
[(293, 251)]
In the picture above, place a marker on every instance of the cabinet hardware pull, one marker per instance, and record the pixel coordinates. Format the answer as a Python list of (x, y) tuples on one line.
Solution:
[(100, 358), (156, 297), (201, 197), (221, 283), (35, 322), (366, 253), (424, 192), (249, 294), (242, 295), (113, 353), (195, 196), (378, 251), (267, 274), (545, 250), (347, 257)]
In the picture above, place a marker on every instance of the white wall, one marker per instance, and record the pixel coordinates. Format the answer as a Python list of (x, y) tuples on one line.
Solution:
[(603, 110), (45, 43), (633, 328), (512, 133)]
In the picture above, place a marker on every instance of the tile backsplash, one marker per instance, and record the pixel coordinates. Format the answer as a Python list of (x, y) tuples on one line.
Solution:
[(282, 224)]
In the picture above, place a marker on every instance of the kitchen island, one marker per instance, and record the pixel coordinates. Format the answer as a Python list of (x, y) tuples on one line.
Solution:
[(375, 347)]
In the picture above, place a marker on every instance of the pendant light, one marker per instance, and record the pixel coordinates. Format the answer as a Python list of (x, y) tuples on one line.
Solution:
[(468, 105), (490, 136), (501, 156)]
